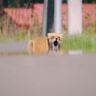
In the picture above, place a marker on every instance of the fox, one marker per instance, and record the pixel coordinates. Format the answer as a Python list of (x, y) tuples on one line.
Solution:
[(38, 46), (43, 45), (54, 41)]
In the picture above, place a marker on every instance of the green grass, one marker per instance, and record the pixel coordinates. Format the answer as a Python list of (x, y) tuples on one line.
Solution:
[(18, 36), (21, 35), (84, 42)]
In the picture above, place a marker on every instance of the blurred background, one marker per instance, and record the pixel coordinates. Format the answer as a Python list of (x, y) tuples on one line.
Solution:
[(21, 20)]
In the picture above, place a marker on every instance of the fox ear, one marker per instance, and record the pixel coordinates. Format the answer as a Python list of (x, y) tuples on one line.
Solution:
[(50, 35), (59, 35)]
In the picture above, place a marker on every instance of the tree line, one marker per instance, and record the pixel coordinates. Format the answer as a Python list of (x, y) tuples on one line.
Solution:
[(26, 3)]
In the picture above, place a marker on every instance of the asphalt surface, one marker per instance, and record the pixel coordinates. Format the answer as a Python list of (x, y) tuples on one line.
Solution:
[(48, 75), (13, 46)]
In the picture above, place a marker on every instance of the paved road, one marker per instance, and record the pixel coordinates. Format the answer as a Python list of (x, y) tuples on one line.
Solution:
[(13, 46), (49, 75)]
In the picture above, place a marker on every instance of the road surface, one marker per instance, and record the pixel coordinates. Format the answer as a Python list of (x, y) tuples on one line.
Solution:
[(48, 75)]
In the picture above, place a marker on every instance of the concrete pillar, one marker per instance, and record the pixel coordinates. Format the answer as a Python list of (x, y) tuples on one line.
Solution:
[(74, 16), (48, 17), (58, 16), (45, 17)]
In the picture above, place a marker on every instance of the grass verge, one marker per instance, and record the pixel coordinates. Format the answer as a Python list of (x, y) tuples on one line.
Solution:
[(84, 42)]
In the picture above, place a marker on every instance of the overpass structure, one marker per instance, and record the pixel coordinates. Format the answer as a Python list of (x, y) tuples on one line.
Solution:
[(52, 21)]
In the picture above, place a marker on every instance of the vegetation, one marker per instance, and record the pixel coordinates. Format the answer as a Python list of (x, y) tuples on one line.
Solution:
[(86, 41), (22, 3), (9, 31), (83, 42), (22, 34)]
